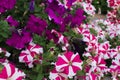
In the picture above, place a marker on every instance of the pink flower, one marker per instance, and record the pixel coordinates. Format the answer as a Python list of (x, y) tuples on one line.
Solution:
[(104, 50), (82, 31), (89, 8), (117, 53), (70, 63), (31, 55), (58, 75), (113, 3), (10, 72), (98, 63), (90, 39), (98, 66), (61, 40), (115, 69), (91, 76)]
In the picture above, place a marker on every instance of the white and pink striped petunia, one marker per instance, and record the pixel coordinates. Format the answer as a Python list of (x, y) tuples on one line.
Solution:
[(10, 72), (82, 31), (90, 39), (115, 69), (61, 40), (104, 50), (113, 3), (89, 8), (58, 75), (69, 62), (31, 55), (91, 76)]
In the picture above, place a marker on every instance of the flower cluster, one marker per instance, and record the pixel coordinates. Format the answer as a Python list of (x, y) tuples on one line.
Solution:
[(6, 5)]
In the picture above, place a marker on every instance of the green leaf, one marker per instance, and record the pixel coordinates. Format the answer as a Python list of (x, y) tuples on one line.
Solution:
[(92, 31)]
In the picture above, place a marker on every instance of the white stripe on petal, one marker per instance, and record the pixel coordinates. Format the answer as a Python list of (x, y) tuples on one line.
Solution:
[(52, 76), (77, 64), (8, 69), (71, 73), (73, 56), (64, 58), (61, 66), (17, 74), (2, 79)]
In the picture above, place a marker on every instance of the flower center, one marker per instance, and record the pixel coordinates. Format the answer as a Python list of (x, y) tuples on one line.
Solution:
[(70, 63)]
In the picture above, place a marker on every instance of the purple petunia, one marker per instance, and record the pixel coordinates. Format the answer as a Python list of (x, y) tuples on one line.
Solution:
[(11, 21), (36, 25), (55, 11), (6, 5), (77, 18), (19, 39)]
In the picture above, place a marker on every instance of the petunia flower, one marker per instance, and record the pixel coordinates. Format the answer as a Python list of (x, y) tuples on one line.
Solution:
[(69, 62), (6, 5), (61, 39), (10, 72), (36, 25), (115, 68), (113, 3), (11, 21), (77, 18), (31, 55), (82, 31), (104, 50), (91, 76), (89, 8), (90, 39), (55, 11), (19, 39), (57, 75), (97, 66)]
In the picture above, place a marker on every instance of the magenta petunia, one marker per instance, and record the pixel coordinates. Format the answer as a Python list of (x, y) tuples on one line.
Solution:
[(69, 62)]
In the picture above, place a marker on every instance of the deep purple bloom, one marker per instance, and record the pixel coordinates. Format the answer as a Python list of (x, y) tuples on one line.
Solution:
[(77, 18), (19, 39), (36, 25), (6, 5), (32, 5), (55, 11), (11, 21), (70, 3), (66, 22)]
